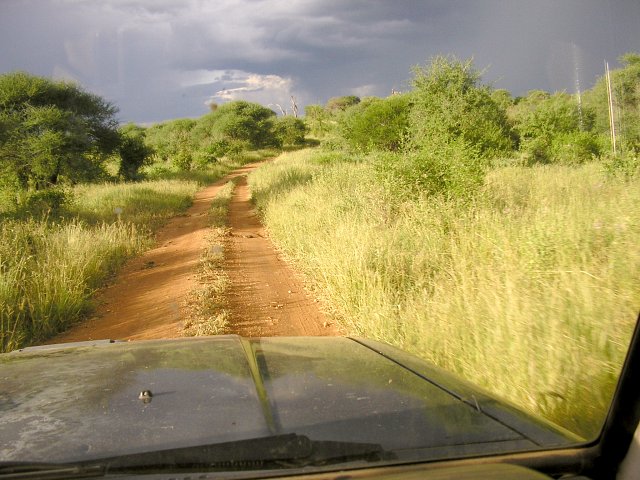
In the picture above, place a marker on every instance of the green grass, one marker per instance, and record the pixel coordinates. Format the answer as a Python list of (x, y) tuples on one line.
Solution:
[(48, 272), (51, 266), (532, 291)]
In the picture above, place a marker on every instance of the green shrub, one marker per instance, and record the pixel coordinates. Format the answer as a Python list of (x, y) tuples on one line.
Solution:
[(623, 165), (452, 170), (376, 123), (575, 147), (449, 104), (289, 131), (50, 202)]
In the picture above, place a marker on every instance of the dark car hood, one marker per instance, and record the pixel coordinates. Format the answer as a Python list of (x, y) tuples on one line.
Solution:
[(69, 403)]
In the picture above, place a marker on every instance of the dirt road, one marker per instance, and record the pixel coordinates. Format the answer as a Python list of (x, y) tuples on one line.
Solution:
[(147, 298)]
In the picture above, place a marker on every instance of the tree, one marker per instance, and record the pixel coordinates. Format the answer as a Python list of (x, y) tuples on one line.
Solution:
[(134, 152), (317, 119), (455, 129), (246, 121), (340, 104), (625, 84), (376, 123), (449, 103), (52, 132), (551, 128), (289, 131), (173, 141)]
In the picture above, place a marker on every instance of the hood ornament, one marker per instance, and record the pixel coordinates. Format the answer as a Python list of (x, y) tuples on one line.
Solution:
[(145, 396)]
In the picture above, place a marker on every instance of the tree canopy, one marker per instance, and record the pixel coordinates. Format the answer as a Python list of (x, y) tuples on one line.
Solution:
[(52, 131)]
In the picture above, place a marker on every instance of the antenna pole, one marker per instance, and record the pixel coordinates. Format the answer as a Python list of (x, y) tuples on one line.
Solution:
[(612, 123)]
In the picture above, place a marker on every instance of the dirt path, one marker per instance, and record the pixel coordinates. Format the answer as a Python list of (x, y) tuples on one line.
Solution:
[(266, 298), (147, 298)]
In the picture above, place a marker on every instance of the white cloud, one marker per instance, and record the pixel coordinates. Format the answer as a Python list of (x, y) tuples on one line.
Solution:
[(365, 90), (239, 85)]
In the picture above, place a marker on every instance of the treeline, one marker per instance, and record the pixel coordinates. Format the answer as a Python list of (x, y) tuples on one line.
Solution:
[(493, 236), (227, 130), (79, 194), (443, 135), (54, 135)]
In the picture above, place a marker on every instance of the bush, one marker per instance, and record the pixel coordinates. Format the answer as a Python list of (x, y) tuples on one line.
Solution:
[(376, 124), (49, 202), (289, 131), (448, 104), (134, 153), (575, 147), (626, 165), (453, 170), (183, 160), (337, 104)]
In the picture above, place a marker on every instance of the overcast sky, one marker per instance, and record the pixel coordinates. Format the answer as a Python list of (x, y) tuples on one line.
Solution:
[(163, 59)]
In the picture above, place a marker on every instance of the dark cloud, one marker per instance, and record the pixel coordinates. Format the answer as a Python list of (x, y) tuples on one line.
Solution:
[(167, 58)]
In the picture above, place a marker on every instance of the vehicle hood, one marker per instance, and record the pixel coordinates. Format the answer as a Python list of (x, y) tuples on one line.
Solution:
[(82, 401)]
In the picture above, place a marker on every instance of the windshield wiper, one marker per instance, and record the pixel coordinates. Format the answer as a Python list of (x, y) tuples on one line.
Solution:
[(278, 451), (48, 471)]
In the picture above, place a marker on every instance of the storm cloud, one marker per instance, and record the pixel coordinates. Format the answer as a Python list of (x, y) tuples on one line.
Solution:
[(164, 59)]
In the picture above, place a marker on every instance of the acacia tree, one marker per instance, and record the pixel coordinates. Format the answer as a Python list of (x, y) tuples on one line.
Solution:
[(455, 128), (376, 123), (134, 153), (317, 119), (52, 131), (340, 104)]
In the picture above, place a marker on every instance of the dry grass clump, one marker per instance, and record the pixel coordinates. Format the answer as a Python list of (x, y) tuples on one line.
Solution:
[(207, 313)]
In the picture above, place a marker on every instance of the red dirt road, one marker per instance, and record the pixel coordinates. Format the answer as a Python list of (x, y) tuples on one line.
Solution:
[(147, 298), (266, 298)]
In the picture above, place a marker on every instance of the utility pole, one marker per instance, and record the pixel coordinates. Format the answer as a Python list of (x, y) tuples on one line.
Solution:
[(578, 91), (612, 123)]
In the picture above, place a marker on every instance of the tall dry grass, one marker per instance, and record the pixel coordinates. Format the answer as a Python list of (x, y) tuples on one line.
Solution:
[(531, 291), (49, 268)]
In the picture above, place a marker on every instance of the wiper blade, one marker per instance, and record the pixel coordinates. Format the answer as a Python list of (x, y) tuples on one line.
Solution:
[(278, 451), (47, 471)]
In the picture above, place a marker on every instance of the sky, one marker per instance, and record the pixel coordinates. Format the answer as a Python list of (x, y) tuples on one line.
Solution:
[(163, 59)]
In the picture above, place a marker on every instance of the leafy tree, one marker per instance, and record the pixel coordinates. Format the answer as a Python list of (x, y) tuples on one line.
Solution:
[(317, 119), (376, 123), (340, 104), (134, 152), (289, 131), (169, 139), (455, 128), (625, 84), (503, 98), (449, 103), (52, 131), (244, 121), (551, 128)]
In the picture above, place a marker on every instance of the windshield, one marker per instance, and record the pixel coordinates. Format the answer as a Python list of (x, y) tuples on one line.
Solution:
[(447, 191)]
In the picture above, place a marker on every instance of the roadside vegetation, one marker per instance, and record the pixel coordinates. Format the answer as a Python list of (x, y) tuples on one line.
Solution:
[(496, 237), (80, 194)]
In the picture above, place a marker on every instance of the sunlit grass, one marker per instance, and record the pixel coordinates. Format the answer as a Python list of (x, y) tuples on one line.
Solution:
[(48, 272), (50, 267), (532, 291)]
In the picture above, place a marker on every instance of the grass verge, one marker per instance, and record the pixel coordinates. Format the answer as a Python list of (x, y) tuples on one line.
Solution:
[(50, 267), (531, 291)]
